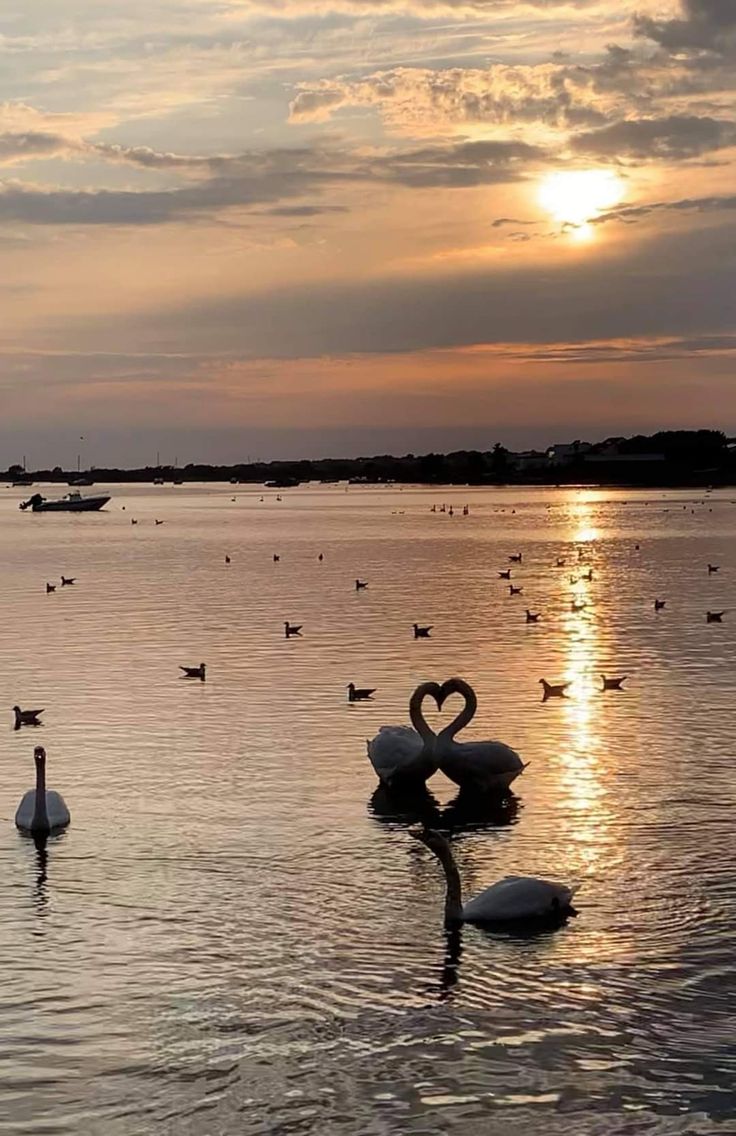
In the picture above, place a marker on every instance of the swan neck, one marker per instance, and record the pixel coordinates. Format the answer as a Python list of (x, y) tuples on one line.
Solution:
[(418, 720), (40, 822), (467, 713)]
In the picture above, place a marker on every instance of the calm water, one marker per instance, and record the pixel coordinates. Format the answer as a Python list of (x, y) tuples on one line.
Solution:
[(233, 936)]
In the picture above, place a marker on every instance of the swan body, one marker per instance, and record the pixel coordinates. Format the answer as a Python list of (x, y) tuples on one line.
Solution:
[(514, 899), (41, 810), (487, 766), (404, 757)]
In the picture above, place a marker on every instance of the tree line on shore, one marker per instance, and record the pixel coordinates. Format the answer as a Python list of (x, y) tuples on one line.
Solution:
[(701, 457)]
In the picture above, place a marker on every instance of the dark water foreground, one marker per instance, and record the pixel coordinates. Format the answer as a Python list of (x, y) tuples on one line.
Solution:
[(236, 935)]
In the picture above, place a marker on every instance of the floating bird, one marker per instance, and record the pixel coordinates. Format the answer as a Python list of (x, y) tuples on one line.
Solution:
[(360, 584), (321, 557), (714, 616), (577, 605), (194, 672), (133, 521), (292, 629), (26, 717), (227, 559), (516, 558), (67, 581), (276, 558), (355, 694), (553, 690), (713, 568), (487, 766), (157, 522), (532, 616), (41, 810), (514, 899), (50, 588), (505, 575), (560, 562), (613, 683), (587, 575), (637, 546), (659, 605), (515, 591), (402, 757), (422, 632)]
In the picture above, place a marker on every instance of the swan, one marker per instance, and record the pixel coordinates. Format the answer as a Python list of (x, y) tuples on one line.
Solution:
[(404, 757), (41, 810), (510, 900), (482, 766), (292, 629)]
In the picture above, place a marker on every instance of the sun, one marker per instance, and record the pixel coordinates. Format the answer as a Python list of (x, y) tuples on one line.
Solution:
[(576, 197)]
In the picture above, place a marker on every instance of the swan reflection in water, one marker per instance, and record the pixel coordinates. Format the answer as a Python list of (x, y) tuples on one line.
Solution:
[(467, 812)]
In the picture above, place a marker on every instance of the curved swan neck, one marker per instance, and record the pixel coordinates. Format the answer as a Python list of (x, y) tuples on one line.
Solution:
[(40, 822), (466, 715), (418, 721)]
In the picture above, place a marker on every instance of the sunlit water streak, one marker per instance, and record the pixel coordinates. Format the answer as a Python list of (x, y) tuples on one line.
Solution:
[(236, 933)]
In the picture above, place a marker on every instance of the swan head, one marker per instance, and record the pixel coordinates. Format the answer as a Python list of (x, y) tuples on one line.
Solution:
[(17, 710), (39, 755), (430, 837)]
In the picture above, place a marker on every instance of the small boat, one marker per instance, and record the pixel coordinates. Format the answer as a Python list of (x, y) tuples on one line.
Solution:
[(73, 502), (82, 479)]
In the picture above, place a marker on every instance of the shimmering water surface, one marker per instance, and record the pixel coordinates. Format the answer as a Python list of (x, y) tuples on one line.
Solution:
[(235, 936)]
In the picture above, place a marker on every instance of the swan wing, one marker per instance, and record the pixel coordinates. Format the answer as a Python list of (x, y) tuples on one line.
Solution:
[(24, 812), (58, 813), (518, 897), (398, 751), (483, 765)]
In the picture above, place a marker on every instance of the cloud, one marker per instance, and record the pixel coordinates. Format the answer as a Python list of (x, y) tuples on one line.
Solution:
[(707, 25), (259, 178), (673, 137), (630, 213)]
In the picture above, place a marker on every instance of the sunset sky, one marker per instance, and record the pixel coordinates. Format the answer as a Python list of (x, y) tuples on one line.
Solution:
[(289, 228)]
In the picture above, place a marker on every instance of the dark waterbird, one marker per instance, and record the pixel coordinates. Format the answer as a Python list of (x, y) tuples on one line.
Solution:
[(515, 591), (276, 558), (532, 616), (613, 683), (360, 584), (292, 629), (659, 605), (422, 632), (713, 568), (67, 581), (359, 694), (26, 717), (227, 559), (194, 672), (516, 558), (553, 689), (714, 616), (505, 574), (50, 588)]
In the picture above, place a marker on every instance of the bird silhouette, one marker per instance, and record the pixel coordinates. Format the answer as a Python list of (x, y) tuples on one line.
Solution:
[(552, 689), (195, 672), (613, 683), (422, 632), (292, 629), (358, 694)]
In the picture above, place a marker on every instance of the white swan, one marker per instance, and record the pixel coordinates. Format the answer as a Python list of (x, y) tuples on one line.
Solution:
[(404, 757), (483, 766), (510, 900), (42, 810)]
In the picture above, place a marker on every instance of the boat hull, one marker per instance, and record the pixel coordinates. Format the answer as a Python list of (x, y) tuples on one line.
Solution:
[(88, 505)]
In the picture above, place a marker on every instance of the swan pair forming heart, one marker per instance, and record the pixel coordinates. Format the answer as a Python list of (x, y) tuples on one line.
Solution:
[(405, 758)]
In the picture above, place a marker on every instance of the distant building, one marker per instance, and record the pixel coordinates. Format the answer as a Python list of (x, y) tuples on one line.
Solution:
[(528, 460), (562, 453)]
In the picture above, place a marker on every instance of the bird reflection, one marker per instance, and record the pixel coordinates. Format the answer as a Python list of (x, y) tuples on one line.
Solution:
[(467, 812), (40, 891), (449, 972), (391, 806), (471, 811)]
